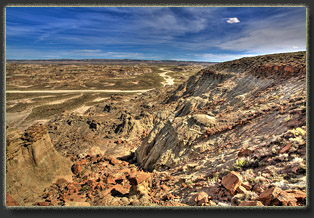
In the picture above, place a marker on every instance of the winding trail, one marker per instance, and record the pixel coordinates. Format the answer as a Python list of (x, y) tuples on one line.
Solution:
[(169, 80)]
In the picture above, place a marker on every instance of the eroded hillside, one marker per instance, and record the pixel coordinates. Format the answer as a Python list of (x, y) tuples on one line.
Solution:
[(233, 134)]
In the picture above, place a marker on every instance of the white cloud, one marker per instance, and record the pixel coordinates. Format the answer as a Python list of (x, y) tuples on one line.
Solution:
[(232, 20), (295, 46)]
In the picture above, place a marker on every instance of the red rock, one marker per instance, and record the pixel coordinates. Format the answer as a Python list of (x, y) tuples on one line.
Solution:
[(10, 201), (111, 179), (138, 178), (299, 195), (76, 168), (232, 181), (285, 199), (286, 148), (251, 203), (269, 195), (201, 198)]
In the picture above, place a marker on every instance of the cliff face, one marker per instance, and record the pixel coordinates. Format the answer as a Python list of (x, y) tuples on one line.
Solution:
[(229, 106), (32, 163)]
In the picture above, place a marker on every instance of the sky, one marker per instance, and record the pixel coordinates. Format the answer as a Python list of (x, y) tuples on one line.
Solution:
[(211, 34)]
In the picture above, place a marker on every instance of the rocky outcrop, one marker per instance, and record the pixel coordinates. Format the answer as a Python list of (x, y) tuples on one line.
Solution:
[(32, 163), (227, 104)]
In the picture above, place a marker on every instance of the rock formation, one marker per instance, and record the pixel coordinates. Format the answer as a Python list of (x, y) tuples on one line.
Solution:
[(228, 104), (32, 163)]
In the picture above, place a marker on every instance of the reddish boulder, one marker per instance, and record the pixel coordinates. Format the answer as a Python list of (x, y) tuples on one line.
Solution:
[(269, 195), (285, 199), (232, 181), (76, 168), (138, 178), (299, 195)]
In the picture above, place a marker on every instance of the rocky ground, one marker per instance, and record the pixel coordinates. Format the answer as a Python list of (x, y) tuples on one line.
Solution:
[(234, 134)]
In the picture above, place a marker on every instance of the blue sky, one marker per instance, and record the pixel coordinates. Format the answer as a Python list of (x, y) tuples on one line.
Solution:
[(153, 33)]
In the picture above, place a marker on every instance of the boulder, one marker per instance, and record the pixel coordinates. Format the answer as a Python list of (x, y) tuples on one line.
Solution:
[(138, 177), (269, 195), (77, 168), (232, 181), (299, 195), (285, 199)]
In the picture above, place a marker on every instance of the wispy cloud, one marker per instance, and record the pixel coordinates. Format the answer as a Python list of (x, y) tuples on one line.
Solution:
[(153, 32), (18, 53), (283, 33)]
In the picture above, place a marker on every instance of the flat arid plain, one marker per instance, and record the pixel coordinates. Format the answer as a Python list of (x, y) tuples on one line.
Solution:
[(157, 134)]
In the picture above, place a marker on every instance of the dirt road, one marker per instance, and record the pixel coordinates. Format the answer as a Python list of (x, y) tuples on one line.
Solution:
[(169, 79)]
